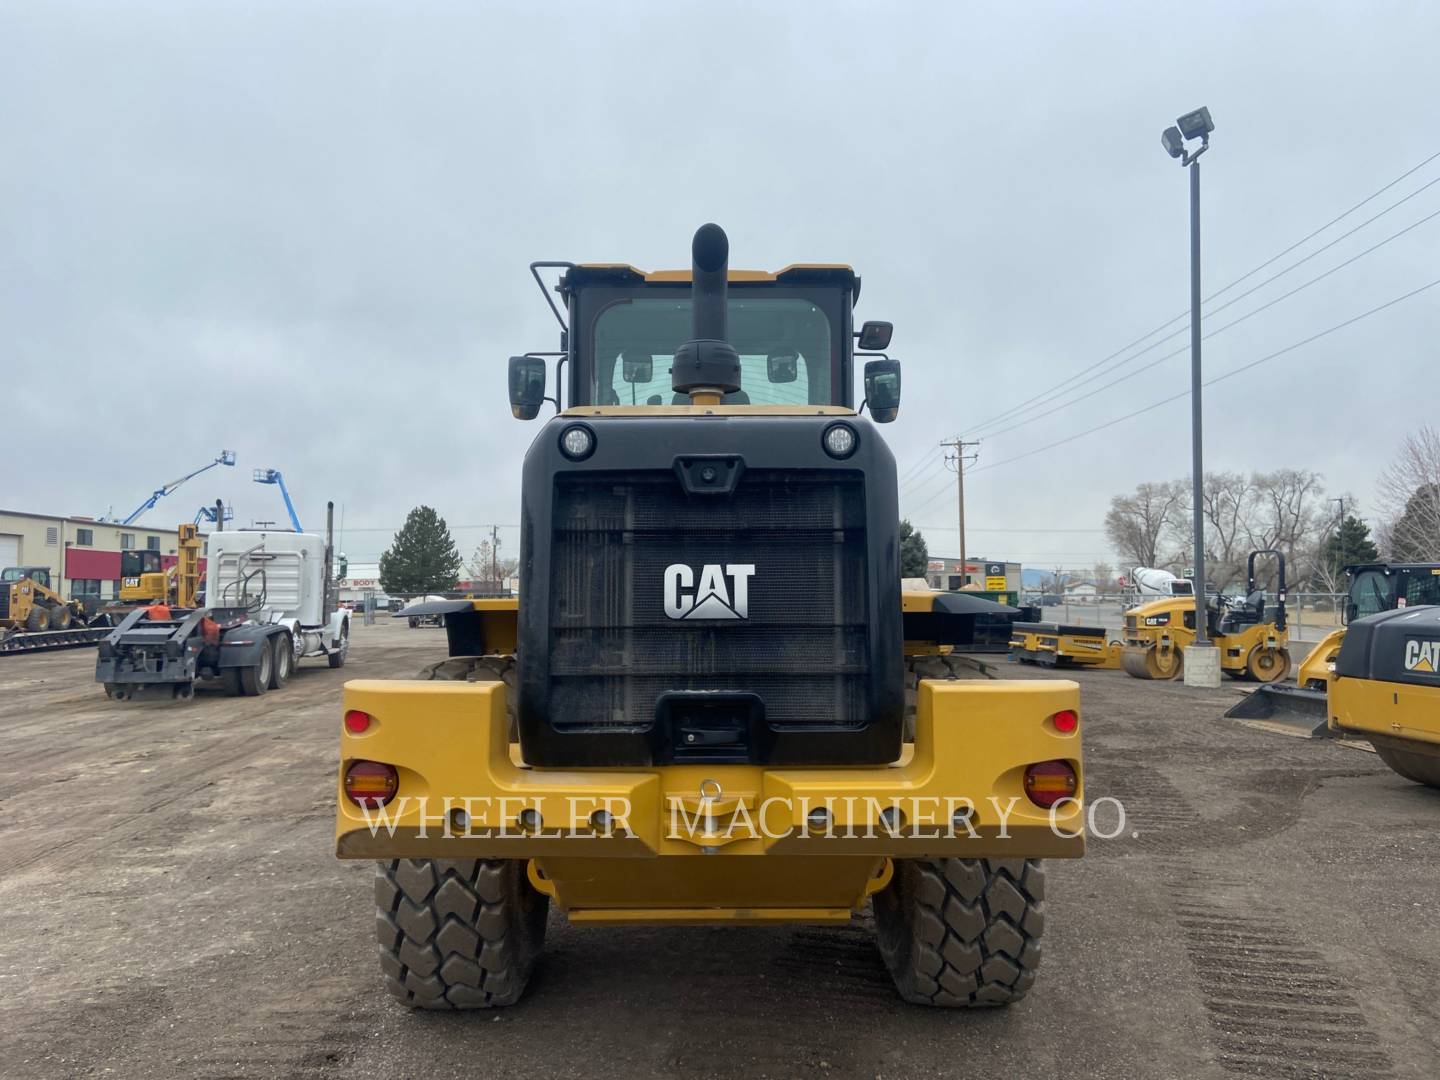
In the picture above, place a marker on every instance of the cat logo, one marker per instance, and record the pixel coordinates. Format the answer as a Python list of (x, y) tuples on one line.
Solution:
[(1422, 656), (714, 599)]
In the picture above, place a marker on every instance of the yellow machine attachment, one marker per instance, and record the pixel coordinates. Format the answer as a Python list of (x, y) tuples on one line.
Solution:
[(1060, 645), (28, 603), (427, 771)]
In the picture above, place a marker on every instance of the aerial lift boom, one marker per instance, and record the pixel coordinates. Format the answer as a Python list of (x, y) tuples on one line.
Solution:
[(227, 457), (273, 476)]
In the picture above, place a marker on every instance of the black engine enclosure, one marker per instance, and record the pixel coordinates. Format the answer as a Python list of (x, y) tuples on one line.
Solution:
[(1375, 647), (732, 487)]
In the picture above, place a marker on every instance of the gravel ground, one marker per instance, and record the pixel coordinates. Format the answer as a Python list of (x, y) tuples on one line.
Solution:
[(170, 907)]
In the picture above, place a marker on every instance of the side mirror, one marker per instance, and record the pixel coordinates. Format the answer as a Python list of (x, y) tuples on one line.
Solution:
[(875, 336), (882, 389), (527, 386), (783, 367), (639, 370)]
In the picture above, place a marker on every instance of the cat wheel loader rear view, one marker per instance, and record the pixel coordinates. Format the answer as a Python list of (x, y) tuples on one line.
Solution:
[(707, 690), (1254, 641)]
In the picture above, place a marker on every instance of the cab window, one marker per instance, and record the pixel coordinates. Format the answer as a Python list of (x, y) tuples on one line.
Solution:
[(1370, 593), (785, 346), (1422, 588)]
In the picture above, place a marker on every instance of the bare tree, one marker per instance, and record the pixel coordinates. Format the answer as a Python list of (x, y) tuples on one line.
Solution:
[(488, 569), (1290, 516), (1104, 575), (1138, 525), (1409, 495)]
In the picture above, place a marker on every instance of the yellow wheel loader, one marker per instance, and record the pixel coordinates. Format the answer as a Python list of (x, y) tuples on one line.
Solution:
[(708, 680), (1385, 687), (28, 604), (1254, 641)]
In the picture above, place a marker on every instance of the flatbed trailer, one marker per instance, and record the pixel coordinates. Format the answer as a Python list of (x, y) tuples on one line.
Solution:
[(1064, 645), (51, 640)]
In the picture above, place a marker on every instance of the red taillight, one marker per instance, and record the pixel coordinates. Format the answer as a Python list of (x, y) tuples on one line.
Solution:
[(1047, 782), (1066, 721), (369, 783), (357, 722)]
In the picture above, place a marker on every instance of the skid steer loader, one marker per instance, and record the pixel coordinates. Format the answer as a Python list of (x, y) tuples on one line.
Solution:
[(1373, 588), (1254, 641), (1385, 687), (707, 692), (29, 604)]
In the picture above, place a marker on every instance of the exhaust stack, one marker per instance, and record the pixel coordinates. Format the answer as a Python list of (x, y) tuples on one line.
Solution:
[(707, 367)]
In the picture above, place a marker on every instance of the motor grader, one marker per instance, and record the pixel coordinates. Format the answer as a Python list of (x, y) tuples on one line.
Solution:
[(704, 718), (1253, 637)]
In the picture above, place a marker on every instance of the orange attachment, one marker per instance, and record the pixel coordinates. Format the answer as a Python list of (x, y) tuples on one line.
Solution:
[(158, 611)]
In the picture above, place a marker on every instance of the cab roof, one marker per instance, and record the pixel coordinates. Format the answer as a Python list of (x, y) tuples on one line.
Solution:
[(794, 274)]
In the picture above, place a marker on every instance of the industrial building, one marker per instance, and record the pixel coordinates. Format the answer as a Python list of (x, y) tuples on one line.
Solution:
[(83, 554), (943, 572)]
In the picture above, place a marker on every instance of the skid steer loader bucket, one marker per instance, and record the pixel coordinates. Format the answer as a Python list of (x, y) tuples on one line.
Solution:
[(1289, 707)]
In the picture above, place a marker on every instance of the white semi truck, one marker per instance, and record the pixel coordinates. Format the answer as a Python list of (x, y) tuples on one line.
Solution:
[(270, 602)]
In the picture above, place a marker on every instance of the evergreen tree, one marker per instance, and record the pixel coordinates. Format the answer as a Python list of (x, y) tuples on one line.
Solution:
[(914, 555), (1349, 545), (422, 558)]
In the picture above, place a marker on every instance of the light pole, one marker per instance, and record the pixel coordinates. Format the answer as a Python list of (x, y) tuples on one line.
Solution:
[(1191, 126)]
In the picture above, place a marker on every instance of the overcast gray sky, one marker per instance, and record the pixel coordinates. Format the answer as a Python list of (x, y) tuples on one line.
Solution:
[(300, 231)]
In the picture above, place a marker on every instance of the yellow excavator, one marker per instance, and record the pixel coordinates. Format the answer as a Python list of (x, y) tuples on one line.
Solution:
[(145, 580), (1253, 639)]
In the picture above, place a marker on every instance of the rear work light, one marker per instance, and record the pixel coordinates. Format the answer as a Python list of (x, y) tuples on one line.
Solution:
[(1047, 782), (1066, 721), (369, 783), (357, 722)]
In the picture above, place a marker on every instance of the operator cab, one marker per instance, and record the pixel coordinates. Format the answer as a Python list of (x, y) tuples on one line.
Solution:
[(792, 333), (134, 563), (38, 574)]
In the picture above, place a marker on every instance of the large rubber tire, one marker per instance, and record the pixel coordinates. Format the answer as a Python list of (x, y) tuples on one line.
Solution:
[(337, 659), (495, 668), (962, 933), (282, 660), (1267, 665), (414, 622), (458, 934), (1421, 768), (38, 620), (60, 618), (255, 680)]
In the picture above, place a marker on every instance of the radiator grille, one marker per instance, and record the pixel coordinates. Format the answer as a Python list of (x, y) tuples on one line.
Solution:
[(803, 647)]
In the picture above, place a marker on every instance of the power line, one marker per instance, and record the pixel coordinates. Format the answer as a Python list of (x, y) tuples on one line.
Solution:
[(1210, 382), (1248, 274), (1057, 390), (1218, 330)]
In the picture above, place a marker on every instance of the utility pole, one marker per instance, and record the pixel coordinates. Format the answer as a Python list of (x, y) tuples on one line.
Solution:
[(959, 445), (1343, 553), (495, 557)]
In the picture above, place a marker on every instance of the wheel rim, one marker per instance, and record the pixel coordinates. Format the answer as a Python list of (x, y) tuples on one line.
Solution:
[(263, 669), (284, 661)]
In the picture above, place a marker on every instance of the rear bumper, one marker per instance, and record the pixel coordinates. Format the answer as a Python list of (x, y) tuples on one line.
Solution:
[(448, 742)]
